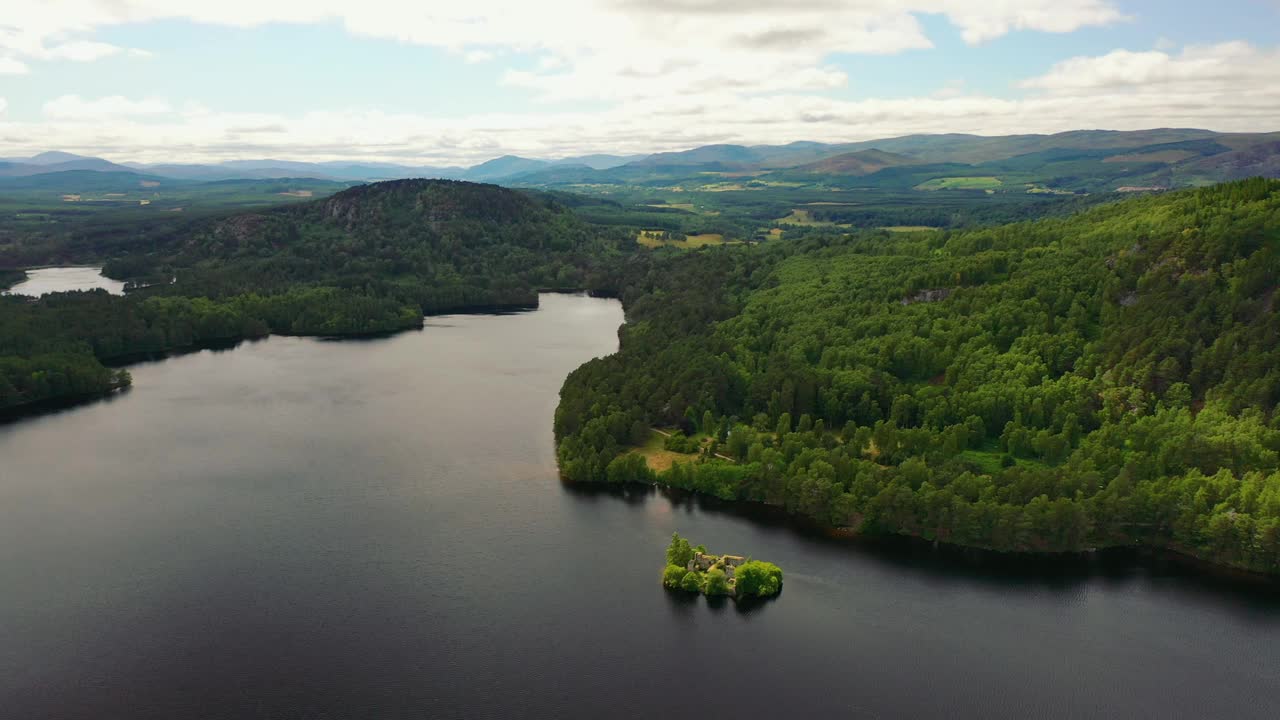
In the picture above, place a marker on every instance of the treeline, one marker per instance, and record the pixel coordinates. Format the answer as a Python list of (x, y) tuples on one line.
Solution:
[(372, 259), (1106, 379), (957, 209), (54, 348)]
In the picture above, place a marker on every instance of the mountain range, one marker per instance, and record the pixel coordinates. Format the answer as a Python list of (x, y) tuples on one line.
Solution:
[(1087, 160)]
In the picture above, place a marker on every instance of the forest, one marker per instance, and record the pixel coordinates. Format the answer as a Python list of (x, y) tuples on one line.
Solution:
[(372, 259), (1105, 379)]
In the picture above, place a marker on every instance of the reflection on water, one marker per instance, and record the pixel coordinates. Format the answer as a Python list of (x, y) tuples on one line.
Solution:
[(306, 529), (64, 279)]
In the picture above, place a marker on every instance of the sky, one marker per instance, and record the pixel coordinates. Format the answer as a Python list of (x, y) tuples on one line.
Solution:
[(429, 82)]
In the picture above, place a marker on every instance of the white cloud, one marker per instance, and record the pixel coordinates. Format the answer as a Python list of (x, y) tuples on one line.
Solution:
[(146, 130), (9, 66), (1231, 66), (80, 51), (750, 45), (3, 104), (671, 74), (983, 20), (76, 108)]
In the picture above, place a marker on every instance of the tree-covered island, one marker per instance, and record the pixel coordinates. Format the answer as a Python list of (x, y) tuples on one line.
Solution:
[(693, 569)]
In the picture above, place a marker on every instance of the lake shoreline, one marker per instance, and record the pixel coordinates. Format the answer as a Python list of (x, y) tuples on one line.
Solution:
[(1020, 562), (45, 406)]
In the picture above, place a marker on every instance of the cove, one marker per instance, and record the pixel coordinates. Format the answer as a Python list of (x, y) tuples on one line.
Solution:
[(300, 528), (40, 281)]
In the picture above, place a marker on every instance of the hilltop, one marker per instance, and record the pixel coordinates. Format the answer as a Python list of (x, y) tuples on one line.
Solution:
[(861, 162), (438, 244)]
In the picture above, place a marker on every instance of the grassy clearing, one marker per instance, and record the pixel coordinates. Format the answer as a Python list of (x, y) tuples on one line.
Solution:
[(653, 239), (687, 207), (658, 457), (805, 218), (722, 187), (1034, 189), (985, 182), (989, 460)]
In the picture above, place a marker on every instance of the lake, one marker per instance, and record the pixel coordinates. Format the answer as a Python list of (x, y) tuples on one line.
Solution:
[(304, 529), (62, 279)]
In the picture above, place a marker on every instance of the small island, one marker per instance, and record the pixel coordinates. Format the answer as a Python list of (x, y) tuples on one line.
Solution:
[(693, 569)]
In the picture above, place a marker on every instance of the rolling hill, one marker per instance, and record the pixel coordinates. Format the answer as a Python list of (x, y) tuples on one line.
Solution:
[(861, 162)]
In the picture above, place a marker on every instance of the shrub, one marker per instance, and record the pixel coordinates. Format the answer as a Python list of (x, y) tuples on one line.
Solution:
[(758, 578), (691, 582), (716, 583), (672, 575)]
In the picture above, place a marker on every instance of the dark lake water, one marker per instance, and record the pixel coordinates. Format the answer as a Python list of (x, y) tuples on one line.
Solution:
[(61, 279), (302, 529)]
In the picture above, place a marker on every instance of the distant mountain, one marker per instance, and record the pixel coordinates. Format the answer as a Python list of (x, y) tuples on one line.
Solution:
[(599, 162), (974, 149), (78, 181), (210, 173), (727, 155), (389, 171), (269, 169), (862, 162), (20, 169), (1083, 160), (501, 167), (54, 157), (1260, 159)]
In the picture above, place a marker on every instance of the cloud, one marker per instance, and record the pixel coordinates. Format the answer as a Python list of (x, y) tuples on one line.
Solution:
[(989, 19), (146, 130), (9, 66), (1217, 69), (76, 108), (598, 39), (659, 75), (80, 51)]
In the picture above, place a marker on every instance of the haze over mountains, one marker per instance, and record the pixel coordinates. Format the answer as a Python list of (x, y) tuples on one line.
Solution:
[(505, 166), (1088, 160)]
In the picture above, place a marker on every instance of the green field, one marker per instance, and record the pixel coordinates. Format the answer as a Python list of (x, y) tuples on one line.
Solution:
[(654, 239), (805, 218), (908, 228), (977, 182)]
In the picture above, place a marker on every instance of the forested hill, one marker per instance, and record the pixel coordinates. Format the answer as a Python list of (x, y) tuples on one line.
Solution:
[(1106, 379), (438, 244), (371, 259)]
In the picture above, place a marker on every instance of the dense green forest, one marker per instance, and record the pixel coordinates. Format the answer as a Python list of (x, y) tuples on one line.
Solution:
[(1105, 379), (371, 259)]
